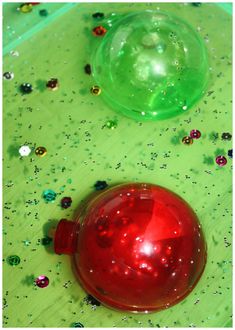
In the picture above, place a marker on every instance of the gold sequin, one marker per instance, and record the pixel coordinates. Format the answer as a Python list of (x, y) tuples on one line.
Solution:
[(95, 90), (187, 140), (26, 8), (40, 151)]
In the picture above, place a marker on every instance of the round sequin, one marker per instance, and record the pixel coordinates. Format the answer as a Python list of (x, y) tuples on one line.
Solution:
[(230, 153), (46, 240), (195, 134), (95, 90), (77, 325), (111, 124), (53, 84), (226, 136), (8, 75), (66, 202), (100, 185), (49, 195), (24, 151), (98, 15), (87, 69), (26, 88), (99, 31), (13, 260), (42, 281), (221, 160), (187, 140), (43, 12), (40, 151), (26, 8)]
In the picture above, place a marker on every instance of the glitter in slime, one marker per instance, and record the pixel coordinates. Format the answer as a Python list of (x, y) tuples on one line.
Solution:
[(151, 65), (135, 247)]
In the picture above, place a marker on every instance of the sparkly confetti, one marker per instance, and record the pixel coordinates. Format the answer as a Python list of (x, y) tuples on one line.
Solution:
[(26, 8), (66, 202), (195, 134), (40, 151), (46, 240), (226, 136), (24, 151), (8, 75), (187, 140), (99, 31), (42, 281), (49, 195), (95, 90), (111, 124), (100, 185), (26, 88), (98, 15), (43, 12), (13, 260), (221, 160), (230, 153), (53, 84), (77, 325), (87, 69)]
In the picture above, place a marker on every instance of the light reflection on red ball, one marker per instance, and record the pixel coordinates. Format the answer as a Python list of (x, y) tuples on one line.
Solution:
[(139, 248)]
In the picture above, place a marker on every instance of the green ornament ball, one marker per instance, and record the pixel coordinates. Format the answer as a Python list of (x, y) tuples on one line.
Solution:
[(151, 65)]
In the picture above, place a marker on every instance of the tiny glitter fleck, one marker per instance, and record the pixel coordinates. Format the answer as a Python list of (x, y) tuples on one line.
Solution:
[(221, 160), (195, 134), (226, 136), (40, 151), (26, 88), (187, 140), (100, 185), (42, 281), (13, 260), (89, 299), (95, 90), (66, 202), (46, 240), (230, 153), (49, 195), (98, 15), (99, 31), (8, 75), (24, 151), (43, 12), (111, 124), (77, 325), (87, 69), (26, 8), (53, 84)]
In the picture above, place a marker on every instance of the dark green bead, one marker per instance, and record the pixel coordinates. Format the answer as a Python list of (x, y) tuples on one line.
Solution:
[(13, 260)]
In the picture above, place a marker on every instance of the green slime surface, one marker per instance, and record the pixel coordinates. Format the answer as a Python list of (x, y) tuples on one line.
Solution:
[(70, 123)]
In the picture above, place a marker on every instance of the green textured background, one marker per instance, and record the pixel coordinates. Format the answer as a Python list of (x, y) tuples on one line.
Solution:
[(70, 122)]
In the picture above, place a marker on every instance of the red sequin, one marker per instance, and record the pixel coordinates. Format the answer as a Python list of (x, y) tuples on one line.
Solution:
[(99, 31), (139, 248)]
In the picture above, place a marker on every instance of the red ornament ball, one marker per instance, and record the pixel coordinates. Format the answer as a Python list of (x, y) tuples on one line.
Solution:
[(137, 247)]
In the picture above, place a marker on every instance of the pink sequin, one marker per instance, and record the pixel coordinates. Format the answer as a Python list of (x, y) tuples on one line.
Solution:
[(42, 281), (221, 160), (195, 134)]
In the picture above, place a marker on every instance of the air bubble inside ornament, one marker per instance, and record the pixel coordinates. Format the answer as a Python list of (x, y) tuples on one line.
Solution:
[(136, 247), (151, 65)]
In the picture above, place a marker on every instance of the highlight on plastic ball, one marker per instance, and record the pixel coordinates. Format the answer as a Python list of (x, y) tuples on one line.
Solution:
[(151, 65), (136, 247)]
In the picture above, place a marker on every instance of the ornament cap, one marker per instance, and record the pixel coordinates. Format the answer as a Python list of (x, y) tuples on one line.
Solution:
[(66, 237)]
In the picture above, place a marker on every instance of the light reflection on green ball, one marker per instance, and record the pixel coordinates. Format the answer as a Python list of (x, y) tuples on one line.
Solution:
[(151, 65)]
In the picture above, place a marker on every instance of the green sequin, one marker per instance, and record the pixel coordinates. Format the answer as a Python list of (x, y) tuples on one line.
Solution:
[(49, 195), (13, 260), (111, 124)]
